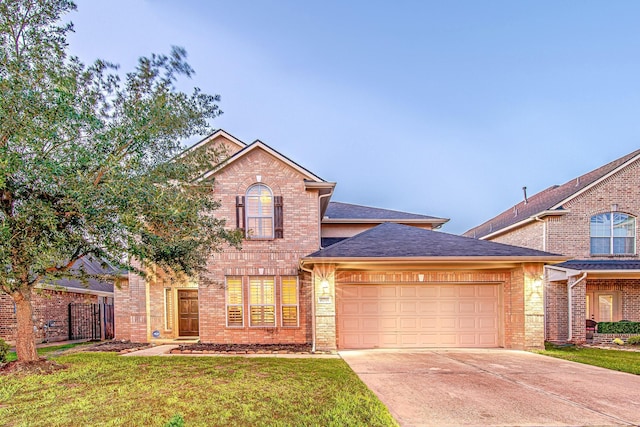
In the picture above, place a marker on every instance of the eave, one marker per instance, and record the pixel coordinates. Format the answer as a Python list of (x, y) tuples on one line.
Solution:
[(73, 290), (438, 221), (431, 263), (558, 274)]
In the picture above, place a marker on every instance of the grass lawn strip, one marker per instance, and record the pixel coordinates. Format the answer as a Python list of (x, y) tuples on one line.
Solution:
[(105, 389), (624, 361)]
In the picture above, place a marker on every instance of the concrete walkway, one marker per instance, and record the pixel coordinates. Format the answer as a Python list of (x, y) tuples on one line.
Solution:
[(496, 388)]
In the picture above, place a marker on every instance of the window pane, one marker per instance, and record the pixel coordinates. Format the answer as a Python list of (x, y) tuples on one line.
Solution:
[(605, 303), (263, 316), (289, 291), (262, 301), (600, 245), (601, 225), (234, 302), (623, 245), (290, 316), (259, 211)]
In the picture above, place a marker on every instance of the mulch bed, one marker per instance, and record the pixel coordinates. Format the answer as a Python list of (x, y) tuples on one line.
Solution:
[(117, 346), (243, 349), (42, 367)]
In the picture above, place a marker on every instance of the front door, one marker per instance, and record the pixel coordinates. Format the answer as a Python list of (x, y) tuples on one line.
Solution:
[(188, 313)]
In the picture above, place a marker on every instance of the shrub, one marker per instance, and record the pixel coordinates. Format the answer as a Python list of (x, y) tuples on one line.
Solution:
[(4, 351), (623, 327), (635, 340), (618, 341), (175, 421)]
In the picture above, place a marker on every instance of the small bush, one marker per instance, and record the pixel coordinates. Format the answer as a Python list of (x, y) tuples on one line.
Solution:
[(4, 351), (635, 340), (619, 327), (175, 421), (618, 341)]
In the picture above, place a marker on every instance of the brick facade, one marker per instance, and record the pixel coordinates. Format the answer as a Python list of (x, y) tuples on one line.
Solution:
[(150, 305), (50, 307)]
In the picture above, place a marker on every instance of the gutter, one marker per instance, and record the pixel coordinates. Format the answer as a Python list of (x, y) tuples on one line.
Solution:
[(569, 288), (548, 212)]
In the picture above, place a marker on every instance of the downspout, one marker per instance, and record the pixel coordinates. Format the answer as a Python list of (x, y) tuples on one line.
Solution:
[(320, 197), (313, 306), (569, 287)]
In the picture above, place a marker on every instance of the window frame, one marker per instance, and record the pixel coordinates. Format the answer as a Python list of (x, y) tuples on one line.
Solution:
[(610, 234), (259, 217), (297, 301), (262, 303), (169, 309), (227, 279)]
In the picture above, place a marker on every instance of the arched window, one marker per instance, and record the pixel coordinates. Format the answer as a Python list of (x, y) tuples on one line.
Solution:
[(613, 233), (259, 211)]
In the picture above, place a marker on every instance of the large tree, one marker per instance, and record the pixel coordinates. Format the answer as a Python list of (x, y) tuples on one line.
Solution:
[(90, 161)]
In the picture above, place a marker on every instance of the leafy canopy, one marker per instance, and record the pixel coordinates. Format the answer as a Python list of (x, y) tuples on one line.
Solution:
[(88, 156)]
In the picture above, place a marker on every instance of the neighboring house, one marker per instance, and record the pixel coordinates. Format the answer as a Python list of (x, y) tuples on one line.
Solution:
[(592, 219), (335, 275), (51, 305)]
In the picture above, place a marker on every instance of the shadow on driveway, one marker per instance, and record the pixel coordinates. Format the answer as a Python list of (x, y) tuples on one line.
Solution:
[(495, 388)]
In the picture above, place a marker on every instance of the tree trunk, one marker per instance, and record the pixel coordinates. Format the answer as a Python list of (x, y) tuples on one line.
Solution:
[(26, 337)]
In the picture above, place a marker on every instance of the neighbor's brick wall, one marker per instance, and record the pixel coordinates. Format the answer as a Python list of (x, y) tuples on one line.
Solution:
[(527, 236), (570, 235), (48, 305)]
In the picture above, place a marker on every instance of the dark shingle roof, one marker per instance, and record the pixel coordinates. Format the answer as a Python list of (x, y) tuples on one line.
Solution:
[(546, 199), (391, 240), (93, 267), (339, 210), (582, 265)]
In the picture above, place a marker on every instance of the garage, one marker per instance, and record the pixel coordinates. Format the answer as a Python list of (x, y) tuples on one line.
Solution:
[(410, 315)]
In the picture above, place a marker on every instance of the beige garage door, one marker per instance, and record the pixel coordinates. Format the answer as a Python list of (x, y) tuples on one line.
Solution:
[(397, 316)]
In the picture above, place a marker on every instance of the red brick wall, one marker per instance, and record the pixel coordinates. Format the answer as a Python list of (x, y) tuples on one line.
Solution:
[(48, 305)]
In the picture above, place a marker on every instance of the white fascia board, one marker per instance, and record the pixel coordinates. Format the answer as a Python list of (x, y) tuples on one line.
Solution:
[(74, 290), (540, 215)]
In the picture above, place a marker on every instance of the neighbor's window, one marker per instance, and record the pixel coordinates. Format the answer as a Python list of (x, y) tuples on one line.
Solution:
[(234, 301), (259, 208), (289, 301), (613, 233), (262, 306)]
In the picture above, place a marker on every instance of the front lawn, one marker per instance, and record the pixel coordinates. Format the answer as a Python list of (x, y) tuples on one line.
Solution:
[(618, 360), (106, 389), (45, 351)]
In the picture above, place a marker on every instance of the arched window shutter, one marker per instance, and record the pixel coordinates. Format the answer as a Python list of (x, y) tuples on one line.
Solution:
[(240, 213), (278, 221)]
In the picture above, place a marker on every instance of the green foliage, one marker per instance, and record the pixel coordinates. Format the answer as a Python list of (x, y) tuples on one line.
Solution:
[(4, 351), (634, 340), (107, 389), (175, 421), (90, 158), (619, 328)]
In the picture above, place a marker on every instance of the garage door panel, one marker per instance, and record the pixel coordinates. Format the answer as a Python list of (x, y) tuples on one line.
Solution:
[(371, 316)]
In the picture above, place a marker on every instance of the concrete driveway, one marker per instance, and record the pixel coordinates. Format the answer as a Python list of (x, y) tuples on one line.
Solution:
[(495, 388)]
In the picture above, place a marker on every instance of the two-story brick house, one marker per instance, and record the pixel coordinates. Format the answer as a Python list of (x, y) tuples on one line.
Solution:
[(593, 220), (335, 275)]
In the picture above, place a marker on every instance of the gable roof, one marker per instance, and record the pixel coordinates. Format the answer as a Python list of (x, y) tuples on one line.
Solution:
[(550, 201), (214, 135), (257, 144), (339, 212), (397, 241), (93, 267)]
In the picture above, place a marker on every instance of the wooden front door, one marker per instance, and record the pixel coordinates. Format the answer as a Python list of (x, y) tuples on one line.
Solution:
[(188, 313)]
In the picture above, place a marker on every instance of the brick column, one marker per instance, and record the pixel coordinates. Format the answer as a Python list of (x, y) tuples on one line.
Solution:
[(578, 309), (325, 304), (533, 306)]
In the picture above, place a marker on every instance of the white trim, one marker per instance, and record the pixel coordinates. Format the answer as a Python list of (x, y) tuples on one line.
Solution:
[(537, 217)]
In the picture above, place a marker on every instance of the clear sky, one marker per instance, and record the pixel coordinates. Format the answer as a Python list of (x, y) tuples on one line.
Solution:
[(444, 108)]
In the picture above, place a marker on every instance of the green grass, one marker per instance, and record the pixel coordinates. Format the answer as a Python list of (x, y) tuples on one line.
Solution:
[(106, 389), (45, 351), (618, 360)]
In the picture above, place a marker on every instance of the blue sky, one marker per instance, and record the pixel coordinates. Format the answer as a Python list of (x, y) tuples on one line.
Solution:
[(445, 108)]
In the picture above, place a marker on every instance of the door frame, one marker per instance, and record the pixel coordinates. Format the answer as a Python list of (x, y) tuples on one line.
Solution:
[(177, 312)]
